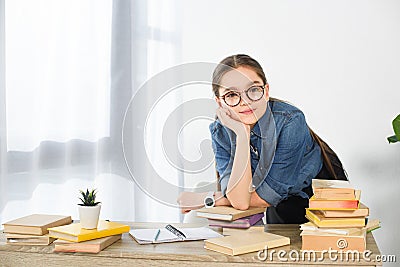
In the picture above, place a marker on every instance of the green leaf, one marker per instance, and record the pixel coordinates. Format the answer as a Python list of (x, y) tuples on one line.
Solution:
[(88, 198), (392, 139), (396, 127)]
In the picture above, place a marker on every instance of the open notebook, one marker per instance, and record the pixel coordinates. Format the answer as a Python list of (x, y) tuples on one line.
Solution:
[(146, 236)]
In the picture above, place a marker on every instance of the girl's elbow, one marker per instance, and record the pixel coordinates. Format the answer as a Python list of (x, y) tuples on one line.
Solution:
[(238, 201), (240, 206)]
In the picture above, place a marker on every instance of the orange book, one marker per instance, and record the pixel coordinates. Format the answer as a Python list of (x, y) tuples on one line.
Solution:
[(332, 189), (335, 204), (362, 211), (326, 241), (91, 246)]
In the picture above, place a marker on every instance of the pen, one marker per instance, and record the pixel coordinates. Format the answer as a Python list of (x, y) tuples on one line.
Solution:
[(156, 236), (175, 231)]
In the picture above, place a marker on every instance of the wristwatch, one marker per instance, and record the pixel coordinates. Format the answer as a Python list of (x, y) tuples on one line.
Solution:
[(209, 200)]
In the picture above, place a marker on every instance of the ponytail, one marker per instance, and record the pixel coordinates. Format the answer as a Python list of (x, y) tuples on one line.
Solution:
[(332, 168)]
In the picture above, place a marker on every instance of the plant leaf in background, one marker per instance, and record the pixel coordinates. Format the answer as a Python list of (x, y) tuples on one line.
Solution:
[(396, 127), (392, 139)]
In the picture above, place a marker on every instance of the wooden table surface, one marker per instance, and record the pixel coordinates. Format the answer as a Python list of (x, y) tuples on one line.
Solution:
[(127, 252)]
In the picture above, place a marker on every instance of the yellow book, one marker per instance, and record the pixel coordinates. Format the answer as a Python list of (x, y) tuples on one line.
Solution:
[(316, 217), (245, 243), (74, 232)]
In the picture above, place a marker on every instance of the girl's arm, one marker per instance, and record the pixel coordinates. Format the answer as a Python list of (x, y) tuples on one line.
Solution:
[(240, 181), (239, 189), (190, 200), (257, 201), (239, 186)]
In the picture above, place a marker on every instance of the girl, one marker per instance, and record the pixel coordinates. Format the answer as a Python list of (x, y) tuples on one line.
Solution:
[(264, 151)]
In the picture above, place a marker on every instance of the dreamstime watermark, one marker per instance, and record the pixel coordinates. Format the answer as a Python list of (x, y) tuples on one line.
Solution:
[(320, 256)]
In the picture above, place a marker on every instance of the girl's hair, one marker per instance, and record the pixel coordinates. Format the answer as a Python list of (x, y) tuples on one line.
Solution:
[(233, 62)]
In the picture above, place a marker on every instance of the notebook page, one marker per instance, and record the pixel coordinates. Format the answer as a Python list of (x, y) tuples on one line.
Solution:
[(146, 236), (199, 233)]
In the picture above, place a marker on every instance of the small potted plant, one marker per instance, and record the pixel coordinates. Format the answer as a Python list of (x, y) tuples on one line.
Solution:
[(89, 209)]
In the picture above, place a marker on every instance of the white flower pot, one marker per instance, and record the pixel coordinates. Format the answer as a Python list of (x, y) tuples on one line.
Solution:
[(89, 216)]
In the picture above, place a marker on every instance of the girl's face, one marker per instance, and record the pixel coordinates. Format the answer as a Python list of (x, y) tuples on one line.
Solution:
[(239, 80)]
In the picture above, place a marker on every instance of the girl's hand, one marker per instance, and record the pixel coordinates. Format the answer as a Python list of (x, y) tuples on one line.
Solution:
[(232, 121), (191, 201)]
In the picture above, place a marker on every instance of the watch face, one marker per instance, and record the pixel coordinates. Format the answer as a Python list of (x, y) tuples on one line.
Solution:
[(209, 202)]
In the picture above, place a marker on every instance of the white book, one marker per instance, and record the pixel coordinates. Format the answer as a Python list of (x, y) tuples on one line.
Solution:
[(323, 183), (310, 227), (147, 236)]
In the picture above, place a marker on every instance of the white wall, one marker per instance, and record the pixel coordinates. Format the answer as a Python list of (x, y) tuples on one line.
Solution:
[(339, 61)]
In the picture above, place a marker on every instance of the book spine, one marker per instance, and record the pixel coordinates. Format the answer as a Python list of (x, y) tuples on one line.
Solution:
[(255, 218), (241, 226)]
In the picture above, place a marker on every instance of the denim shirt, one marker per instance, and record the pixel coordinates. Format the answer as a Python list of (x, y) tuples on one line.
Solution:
[(284, 156)]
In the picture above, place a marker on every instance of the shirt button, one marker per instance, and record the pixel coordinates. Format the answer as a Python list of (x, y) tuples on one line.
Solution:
[(251, 133)]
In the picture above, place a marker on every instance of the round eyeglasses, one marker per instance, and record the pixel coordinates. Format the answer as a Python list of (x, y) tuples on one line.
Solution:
[(253, 93)]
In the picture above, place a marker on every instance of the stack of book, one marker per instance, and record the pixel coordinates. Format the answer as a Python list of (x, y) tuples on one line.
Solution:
[(32, 229), (241, 234), (74, 238), (233, 220), (338, 220)]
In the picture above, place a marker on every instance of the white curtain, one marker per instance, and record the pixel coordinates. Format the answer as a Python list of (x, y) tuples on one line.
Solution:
[(67, 72)]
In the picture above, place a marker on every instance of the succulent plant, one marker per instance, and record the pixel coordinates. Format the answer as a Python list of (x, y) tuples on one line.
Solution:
[(88, 198)]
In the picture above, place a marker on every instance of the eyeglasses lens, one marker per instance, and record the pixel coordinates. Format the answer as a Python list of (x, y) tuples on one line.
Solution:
[(254, 93)]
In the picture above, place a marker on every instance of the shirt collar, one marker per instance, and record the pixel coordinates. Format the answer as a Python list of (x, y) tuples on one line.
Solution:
[(265, 126)]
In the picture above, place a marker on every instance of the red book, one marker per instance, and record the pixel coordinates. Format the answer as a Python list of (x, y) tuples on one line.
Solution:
[(335, 204)]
